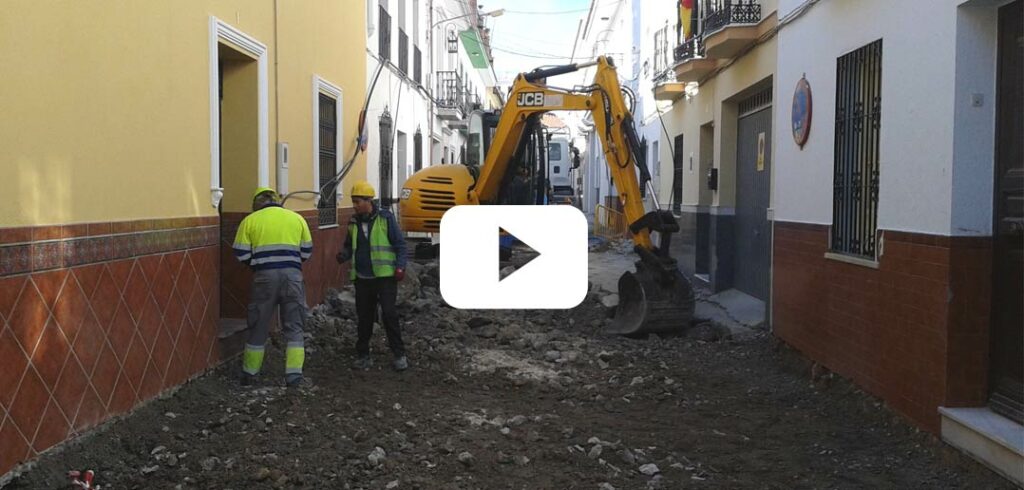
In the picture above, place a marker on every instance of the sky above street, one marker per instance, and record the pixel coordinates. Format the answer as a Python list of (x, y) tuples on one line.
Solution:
[(532, 33)]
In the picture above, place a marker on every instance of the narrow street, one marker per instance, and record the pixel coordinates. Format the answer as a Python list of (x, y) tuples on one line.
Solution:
[(518, 400)]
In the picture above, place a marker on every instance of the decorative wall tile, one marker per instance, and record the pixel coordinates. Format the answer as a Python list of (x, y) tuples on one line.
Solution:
[(112, 314)]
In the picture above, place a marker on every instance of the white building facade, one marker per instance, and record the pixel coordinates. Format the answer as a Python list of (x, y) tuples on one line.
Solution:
[(429, 54)]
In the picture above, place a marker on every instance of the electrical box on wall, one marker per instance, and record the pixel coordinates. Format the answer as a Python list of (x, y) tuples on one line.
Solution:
[(713, 179), (282, 167)]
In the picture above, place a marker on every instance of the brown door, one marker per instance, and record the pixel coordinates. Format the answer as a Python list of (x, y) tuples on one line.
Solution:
[(1007, 361)]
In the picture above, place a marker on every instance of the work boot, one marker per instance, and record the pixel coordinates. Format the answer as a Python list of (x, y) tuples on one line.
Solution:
[(247, 379), (363, 362), (298, 382), (401, 363)]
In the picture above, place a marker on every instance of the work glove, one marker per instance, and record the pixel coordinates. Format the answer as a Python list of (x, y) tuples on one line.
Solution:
[(342, 257), (399, 274)]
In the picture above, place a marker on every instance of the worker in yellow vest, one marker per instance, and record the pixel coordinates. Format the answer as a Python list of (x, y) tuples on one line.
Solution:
[(375, 242), (274, 242)]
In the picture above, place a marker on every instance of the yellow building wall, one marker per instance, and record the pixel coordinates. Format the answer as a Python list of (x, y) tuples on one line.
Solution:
[(106, 104), (714, 104), (318, 38)]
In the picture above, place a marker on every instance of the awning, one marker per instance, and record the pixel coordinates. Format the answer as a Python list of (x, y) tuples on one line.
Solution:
[(474, 48)]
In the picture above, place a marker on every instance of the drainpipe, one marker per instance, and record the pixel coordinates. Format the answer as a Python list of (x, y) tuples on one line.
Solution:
[(430, 81)]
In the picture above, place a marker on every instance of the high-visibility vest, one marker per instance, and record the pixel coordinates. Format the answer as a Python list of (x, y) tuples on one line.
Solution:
[(382, 254), (273, 238)]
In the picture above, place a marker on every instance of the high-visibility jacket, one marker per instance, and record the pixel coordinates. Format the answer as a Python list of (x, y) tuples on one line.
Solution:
[(273, 238), (383, 256)]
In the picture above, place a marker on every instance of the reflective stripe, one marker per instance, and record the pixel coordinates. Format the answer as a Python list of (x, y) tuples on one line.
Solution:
[(275, 247), (297, 343), (383, 262), (252, 359), (259, 348), (294, 357), (277, 253), (384, 248), (275, 258)]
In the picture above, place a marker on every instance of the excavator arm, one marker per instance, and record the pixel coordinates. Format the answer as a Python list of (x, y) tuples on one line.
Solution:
[(655, 298)]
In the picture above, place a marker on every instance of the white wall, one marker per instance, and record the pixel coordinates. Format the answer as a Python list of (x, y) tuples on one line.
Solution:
[(974, 126), (408, 105), (923, 90)]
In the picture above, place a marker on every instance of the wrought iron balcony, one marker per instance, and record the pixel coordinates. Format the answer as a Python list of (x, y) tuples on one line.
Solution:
[(733, 12), (450, 96), (689, 50)]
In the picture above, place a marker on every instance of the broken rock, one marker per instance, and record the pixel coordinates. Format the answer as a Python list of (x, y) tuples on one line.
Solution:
[(650, 469)]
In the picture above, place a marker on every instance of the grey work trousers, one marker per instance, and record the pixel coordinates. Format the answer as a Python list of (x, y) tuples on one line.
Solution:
[(272, 288)]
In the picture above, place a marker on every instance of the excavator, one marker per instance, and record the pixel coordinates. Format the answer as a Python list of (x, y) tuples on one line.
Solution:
[(507, 146)]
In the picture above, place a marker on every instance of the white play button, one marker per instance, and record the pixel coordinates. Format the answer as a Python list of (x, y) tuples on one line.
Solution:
[(556, 278)]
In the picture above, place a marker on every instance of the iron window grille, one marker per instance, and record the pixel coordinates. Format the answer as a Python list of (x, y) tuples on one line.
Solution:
[(417, 65), (661, 50), (417, 148), (677, 175), (855, 177), (327, 211), (403, 51), (386, 153), (733, 12), (384, 38)]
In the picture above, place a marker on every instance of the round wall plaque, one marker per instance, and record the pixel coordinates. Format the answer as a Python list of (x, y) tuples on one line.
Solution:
[(802, 108)]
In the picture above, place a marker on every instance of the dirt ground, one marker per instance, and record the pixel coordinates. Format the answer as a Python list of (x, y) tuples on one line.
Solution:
[(517, 400)]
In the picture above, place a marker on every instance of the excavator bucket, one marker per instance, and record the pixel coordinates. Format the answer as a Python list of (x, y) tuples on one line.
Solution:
[(651, 302)]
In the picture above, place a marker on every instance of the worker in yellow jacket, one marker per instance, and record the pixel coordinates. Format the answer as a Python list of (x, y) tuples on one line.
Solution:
[(274, 242), (377, 249)]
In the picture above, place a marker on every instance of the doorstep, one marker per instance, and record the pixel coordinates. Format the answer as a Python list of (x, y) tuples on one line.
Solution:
[(992, 439)]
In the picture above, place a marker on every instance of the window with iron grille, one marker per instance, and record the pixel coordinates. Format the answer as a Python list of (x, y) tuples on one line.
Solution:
[(386, 154), (384, 35), (661, 50), (855, 174), (403, 51), (417, 149), (677, 175), (328, 203), (417, 65)]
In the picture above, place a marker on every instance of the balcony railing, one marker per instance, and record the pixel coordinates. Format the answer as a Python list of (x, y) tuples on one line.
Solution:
[(733, 12), (449, 90), (694, 48), (403, 51)]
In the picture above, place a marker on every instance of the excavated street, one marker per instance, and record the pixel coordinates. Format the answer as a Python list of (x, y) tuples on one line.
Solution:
[(527, 399)]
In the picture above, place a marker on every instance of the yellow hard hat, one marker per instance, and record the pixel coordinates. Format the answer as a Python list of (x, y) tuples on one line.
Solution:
[(362, 188), (261, 190)]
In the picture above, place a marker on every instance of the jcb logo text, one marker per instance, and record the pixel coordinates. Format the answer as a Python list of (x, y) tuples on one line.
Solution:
[(531, 99)]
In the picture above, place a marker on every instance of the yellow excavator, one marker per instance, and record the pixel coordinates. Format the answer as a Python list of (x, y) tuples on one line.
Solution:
[(506, 150)]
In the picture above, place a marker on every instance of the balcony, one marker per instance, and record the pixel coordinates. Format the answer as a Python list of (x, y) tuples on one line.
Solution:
[(450, 96), (692, 64), (669, 91), (732, 28)]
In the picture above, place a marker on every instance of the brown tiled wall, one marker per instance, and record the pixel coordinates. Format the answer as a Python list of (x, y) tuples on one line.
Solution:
[(914, 331), (96, 318)]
